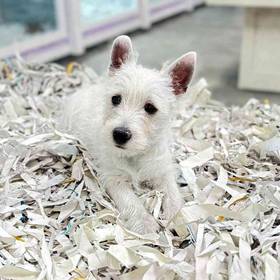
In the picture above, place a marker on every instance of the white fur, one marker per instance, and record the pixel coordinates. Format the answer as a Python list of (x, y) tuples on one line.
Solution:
[(90, 115)]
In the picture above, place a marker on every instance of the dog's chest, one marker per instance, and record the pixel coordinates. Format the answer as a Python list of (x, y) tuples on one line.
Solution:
[(140, 173)]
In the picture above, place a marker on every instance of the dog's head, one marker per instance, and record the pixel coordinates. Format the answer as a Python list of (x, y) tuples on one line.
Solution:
[(138, 103)]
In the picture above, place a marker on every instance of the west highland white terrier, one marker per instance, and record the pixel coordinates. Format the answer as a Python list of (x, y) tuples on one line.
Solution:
[(124, 120)]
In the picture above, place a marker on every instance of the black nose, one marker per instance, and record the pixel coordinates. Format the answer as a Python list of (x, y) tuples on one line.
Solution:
[(121, 135)]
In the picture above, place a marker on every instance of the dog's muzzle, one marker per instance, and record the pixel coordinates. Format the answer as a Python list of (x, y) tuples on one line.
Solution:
[(121, 135)]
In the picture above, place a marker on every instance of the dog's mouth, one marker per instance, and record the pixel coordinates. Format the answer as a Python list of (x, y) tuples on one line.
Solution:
[(120, 147)]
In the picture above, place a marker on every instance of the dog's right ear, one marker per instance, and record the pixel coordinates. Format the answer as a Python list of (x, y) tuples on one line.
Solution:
[(121, 52)]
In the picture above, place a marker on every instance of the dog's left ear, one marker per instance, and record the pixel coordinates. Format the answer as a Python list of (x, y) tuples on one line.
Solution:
[(121, 52), (181, 72)]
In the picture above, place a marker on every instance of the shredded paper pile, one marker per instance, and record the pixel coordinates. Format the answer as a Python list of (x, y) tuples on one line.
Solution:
[(56, 221)]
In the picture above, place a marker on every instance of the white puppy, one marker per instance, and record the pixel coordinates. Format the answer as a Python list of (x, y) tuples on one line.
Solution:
[(124, 121)]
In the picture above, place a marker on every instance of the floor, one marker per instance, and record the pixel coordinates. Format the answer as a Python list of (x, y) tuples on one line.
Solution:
[(213, 32)]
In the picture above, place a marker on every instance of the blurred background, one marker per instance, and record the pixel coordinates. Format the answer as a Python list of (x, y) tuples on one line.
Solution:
[(237, 41)]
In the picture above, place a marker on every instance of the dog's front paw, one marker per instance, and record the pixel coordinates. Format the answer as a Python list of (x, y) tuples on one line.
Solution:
[(142, 223), (171, 207)]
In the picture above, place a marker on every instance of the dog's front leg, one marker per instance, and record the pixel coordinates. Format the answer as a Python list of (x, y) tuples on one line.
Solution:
[(132, 212), (173, 201)]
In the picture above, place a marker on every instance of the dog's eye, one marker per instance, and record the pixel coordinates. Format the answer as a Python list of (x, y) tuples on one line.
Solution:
[(116, 100), (150, 108)]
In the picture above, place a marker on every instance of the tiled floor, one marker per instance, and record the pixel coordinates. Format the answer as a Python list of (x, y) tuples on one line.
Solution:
[(214, 33)]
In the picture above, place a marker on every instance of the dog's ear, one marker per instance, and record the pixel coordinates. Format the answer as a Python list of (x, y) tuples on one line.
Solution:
[(181, 72), (121, 52)]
